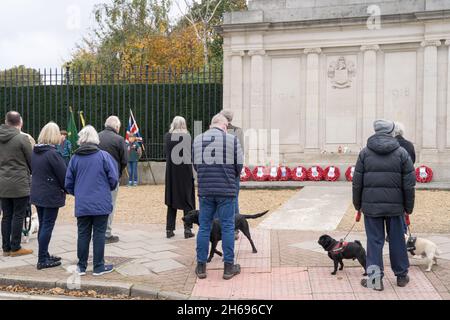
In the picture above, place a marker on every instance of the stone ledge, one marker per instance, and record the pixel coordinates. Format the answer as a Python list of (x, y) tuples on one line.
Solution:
[(102, 287), (250, 185), (144, 291), (29, 282)]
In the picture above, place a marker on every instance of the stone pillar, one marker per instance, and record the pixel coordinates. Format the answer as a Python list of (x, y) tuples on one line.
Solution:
[(429, 113), (369, 90), (257, 147), (257, 88), (312, 99), (236, 86), (447, 43)]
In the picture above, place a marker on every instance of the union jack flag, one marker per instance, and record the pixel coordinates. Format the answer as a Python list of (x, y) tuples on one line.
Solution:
[(133, 129)]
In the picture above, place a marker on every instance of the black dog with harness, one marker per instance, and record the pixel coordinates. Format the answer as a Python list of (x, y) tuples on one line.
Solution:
[(339, 250)]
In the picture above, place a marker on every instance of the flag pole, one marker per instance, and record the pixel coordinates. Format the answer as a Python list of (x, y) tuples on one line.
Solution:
[(145, 151)]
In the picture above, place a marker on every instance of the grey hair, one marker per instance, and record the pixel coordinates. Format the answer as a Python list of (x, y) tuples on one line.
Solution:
[(399, 129), (178, 125), (113, 122), (219, 119), (227, 114), (88, 135)]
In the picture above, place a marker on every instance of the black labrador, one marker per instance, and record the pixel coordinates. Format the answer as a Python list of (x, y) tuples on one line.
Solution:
[(240, 222), (337, 251)]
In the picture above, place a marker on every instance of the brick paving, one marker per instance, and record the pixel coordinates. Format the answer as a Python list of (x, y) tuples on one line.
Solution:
[(289, 265)]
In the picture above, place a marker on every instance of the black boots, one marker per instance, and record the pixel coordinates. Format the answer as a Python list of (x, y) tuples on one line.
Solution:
[(200, 270), (402, 281), (188, 232), (170, 234), (230, 270)]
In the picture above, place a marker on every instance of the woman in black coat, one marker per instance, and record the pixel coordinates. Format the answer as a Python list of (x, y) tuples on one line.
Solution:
[(47, 189), (180, 192)]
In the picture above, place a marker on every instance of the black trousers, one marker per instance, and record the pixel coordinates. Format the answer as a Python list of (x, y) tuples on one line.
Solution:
[(14, 212), (172, 218)]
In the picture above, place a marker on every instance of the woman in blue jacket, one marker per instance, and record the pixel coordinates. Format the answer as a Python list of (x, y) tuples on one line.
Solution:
[(91, 176), (47, 189)]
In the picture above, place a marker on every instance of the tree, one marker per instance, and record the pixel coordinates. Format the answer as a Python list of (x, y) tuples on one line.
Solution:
[(131, 34), (20, 76), (119, 24), (203, 16)]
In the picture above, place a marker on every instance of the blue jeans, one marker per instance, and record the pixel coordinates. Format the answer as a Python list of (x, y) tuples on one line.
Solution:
[(224, 207), (238, 186), (94, 226), (47, 218), (397, 246), (132, 172)]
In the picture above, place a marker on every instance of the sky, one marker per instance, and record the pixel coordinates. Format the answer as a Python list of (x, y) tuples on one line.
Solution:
[(44, 33)]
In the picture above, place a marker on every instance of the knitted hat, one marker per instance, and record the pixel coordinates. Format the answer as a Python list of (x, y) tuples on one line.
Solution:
[(384, 126)]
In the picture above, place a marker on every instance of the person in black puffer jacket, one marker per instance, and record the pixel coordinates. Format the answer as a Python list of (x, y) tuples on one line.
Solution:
[(383, 190)]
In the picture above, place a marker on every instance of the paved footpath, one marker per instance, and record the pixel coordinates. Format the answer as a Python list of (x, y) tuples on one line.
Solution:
[(289, 265), (314, 208)]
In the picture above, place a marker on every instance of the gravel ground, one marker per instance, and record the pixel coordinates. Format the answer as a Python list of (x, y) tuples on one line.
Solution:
[(431, 214), (145, 204)]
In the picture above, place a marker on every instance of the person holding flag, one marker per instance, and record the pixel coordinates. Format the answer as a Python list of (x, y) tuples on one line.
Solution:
[(114, 144), (134, 154), (135, 145)]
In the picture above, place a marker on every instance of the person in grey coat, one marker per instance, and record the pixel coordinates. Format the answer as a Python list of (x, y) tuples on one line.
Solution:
[(383, 190), (114, 144), (15, 181)]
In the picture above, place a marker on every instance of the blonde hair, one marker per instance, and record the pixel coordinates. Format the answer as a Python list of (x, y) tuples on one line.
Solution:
[(88, 135), (50, 134), (178, 125)]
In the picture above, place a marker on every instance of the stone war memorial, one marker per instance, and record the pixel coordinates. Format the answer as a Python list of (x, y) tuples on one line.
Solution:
[(316, 73)]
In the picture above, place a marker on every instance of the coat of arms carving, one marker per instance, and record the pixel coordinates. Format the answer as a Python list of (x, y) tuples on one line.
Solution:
[(341, 73)]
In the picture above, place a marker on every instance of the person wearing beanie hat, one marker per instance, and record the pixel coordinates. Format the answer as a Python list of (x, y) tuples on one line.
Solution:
[(383, 190), (384, 126)]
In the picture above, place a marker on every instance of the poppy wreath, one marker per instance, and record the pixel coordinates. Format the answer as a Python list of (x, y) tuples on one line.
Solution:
[(299, 174), (285, 173), (246, 174), (424, 174), (349, 173), (260, 173), (315, 173), (274, 174), (331, 173)]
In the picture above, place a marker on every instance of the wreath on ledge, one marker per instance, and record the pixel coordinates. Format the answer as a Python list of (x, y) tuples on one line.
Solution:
[(349, 173), (315, 173), (246, 174), (274, 174), (285, 173), (299, 174), (424, 174), (260, 173), (331, 173)]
